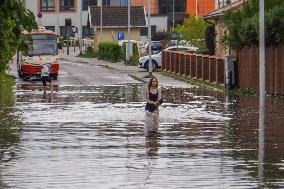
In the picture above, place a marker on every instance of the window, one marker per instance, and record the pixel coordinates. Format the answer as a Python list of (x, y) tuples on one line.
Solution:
[(144, 31), (87, 32), (51, 28), (47, 5), (67, 5), (166, 6), (115, 2), (86, 3), (64, 30), (118, 2)]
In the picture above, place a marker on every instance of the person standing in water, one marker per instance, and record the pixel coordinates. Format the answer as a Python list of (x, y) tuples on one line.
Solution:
[(45, 72), (153, 97)]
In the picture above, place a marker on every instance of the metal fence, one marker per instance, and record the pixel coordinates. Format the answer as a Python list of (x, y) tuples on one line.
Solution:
[(202, 67), (247, 69)]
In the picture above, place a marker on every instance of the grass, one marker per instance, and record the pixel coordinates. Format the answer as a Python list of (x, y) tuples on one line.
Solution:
[(88, 54)]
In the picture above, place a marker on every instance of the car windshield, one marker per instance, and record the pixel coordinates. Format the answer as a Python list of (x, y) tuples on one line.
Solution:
[(44, 45)]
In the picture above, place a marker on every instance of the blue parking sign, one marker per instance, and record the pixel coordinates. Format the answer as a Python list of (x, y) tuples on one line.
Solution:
[(120, 36)]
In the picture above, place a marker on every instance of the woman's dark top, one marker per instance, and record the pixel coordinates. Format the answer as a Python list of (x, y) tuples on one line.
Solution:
[(153, 97)]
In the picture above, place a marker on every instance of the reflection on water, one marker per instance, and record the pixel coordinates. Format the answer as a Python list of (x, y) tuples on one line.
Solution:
[(86, 136)]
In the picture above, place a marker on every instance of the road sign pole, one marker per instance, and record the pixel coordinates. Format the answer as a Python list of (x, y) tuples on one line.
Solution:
[(68, 28), (149, 39), (128, 35)]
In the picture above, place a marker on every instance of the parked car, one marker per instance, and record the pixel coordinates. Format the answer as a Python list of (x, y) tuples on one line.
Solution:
[(157, 58), (156, 47)]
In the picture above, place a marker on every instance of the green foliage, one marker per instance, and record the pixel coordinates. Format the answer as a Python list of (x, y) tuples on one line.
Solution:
[(14, 19), (193, 30), (88, 54), (159, 36), (242, 26), (9, 122), (210, 39), (109, 51), (136, 55), (133, 60)]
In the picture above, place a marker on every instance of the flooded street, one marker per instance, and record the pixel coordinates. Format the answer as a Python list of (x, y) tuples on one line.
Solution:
[(93, 136)]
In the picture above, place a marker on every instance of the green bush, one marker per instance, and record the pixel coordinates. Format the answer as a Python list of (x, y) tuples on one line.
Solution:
[(109, 51), (210, 39), (136, 55)]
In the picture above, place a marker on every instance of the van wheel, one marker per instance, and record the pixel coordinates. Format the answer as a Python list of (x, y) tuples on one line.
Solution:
[(20, 74), (25, 77)]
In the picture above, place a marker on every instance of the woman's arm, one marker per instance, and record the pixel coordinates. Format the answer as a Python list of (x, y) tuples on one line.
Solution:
[(159, 93)]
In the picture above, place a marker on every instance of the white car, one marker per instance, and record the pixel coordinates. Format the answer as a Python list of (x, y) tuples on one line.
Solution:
[(157, 58)]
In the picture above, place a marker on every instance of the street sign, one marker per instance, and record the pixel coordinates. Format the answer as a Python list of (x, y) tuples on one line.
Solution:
[(120, 36), (39, 15), (74, 29)]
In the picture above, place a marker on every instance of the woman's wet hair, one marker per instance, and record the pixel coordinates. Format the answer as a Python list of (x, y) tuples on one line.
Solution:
[(151, 80)]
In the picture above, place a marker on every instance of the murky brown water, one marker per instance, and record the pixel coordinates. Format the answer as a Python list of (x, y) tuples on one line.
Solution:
[(93, 137)]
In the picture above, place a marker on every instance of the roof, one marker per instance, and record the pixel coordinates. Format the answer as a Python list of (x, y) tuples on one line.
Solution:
[(117, 16), (216, 14)]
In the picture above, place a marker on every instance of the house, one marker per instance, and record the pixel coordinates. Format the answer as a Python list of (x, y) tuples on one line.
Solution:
[(115, 21), (216, 18)]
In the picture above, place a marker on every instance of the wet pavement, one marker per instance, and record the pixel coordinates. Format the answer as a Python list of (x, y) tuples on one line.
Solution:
[(90, 134)]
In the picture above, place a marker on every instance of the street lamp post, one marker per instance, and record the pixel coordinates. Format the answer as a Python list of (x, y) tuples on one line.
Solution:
[(173, 14), (128, 37), (149, 40), (101, 17), (261, 92), (196, 9)]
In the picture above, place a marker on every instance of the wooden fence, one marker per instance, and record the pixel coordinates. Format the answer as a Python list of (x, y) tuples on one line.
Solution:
[(202, 67), (247, 69)]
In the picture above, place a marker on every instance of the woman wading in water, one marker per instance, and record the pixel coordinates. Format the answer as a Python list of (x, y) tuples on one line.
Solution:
[(153, 97)]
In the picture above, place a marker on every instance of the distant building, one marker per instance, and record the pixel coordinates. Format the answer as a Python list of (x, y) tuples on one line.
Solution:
[(115, 21), (54, 13)]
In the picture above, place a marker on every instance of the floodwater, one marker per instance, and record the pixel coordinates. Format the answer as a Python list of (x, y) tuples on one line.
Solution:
[(94, 137)]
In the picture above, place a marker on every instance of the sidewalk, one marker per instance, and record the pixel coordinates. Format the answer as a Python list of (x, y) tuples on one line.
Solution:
[(132, 71)]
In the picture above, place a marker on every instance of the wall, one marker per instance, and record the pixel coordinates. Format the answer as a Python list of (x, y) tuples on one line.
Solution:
[(220, 50), (154, 5), (106, 35), (204, 6)]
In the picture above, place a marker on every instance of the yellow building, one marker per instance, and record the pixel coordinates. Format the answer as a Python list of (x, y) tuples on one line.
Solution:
[(115, 22)]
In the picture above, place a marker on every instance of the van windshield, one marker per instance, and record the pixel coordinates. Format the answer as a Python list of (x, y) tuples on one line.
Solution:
[(43, 44)]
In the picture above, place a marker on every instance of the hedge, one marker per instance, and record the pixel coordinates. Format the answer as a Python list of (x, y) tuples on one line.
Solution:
[(109, 51)]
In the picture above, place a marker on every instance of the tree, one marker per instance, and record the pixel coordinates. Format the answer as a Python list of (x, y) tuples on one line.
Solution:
[(193, 30), (14, 18), (242, 25)]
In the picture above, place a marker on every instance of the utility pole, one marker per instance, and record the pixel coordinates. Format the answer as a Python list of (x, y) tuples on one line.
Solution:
[(128, 37), (261, 92), (196, 9), (101, 17), (173, 14), (149, 39)]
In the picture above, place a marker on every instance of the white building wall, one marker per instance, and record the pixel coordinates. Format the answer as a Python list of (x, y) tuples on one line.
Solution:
[(222, 3), (161, 22), (57, 19)]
